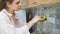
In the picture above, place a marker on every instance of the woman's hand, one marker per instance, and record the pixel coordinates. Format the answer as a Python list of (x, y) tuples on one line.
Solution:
[(35, 19), (39, 18)]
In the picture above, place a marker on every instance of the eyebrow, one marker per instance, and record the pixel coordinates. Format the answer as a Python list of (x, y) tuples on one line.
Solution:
[(18, 2)]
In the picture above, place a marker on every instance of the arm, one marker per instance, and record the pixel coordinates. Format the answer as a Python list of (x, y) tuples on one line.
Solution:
[(33, 21), (26, 27)]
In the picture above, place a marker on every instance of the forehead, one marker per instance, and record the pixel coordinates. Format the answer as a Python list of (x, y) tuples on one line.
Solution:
[(16, 1)]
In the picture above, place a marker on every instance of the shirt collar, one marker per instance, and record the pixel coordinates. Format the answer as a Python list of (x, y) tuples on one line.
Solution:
[(5, 11)]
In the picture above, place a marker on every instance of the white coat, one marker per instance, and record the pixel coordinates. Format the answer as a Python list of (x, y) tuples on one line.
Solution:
[(7, 25)]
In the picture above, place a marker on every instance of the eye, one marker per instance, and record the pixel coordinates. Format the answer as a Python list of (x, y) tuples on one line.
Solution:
[(18, 2)]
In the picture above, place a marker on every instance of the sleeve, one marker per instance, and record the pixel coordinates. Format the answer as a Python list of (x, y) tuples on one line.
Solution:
[(23, 30), (1, 29)]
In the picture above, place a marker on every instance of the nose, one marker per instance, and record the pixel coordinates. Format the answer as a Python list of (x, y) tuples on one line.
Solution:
[(20, 4)]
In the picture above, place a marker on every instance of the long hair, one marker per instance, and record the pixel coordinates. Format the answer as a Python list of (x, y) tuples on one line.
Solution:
[(3, 3)]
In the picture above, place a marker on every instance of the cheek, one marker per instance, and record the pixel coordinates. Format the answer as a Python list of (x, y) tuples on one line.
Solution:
[(15, 7)]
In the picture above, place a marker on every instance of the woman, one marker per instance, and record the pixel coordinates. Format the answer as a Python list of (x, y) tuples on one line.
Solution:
[(8, 20)]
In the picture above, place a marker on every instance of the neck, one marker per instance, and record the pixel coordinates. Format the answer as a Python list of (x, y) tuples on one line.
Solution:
[(10, 11)]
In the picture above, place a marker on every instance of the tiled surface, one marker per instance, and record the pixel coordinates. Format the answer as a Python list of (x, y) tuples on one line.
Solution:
[(52, 24)]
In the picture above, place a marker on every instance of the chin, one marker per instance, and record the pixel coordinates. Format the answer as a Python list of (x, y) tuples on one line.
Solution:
[(17, 10)]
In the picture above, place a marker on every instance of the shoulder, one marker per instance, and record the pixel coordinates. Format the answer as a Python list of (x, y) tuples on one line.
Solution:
[(1, 16)]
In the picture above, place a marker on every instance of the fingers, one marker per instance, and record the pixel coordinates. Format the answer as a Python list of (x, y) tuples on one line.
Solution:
[(39, 18)]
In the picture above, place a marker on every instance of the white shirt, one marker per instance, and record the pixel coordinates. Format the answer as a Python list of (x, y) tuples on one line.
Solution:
[(7, 25)]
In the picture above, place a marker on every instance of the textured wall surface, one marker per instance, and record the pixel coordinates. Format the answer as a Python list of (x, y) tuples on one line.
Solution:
[(52, 24)]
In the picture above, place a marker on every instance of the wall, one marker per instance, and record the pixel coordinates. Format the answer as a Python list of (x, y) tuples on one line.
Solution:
[(51, 25)]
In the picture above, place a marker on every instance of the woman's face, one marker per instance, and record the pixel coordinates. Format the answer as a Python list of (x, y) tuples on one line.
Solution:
[(15, 5)]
